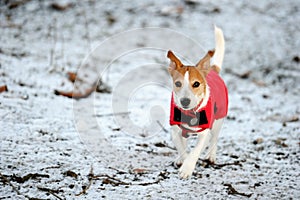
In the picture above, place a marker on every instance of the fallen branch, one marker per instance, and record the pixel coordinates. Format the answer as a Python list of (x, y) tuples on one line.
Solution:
[(51, 167), (244, 75), (163, 145), (232, 191), (5, 180), (90, 178), (112, 114), (118, 171), (51, 191), (207, 163), (110, 180), (106, 179), (15, 4), (163, 128), (27, 177), (61, 7), (76, 95), (97, 86)]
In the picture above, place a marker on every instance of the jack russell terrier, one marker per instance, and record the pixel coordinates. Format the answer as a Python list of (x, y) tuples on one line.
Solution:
[(199, 105)]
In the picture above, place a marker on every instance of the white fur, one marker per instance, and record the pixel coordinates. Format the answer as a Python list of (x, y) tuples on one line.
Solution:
[(186, 92), (193, 129), (219, 48), (189, 160), (205, 99), (180, 144)]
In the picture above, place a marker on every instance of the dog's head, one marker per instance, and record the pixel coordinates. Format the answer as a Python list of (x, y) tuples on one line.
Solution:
[(189, 82)]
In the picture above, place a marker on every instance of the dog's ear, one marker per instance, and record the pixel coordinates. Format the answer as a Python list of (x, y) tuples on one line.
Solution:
[(204, 63), (175, 63)]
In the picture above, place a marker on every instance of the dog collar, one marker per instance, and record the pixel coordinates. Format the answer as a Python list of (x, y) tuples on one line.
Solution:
[(192, 118)]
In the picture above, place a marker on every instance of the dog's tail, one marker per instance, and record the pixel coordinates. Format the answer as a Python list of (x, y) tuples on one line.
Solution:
[(219, 49)]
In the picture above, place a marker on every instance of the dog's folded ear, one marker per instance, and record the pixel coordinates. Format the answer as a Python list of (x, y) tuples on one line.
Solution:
[(204, 63), (175, 63)]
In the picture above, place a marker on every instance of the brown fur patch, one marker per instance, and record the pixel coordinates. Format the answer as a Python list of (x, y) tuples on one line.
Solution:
[(194, 75)]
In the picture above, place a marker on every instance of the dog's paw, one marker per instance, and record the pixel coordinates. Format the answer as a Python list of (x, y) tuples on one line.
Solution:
[(178, 162), (186, 170)]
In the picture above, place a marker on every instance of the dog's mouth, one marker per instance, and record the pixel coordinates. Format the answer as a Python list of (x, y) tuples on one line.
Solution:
[(186, 107)]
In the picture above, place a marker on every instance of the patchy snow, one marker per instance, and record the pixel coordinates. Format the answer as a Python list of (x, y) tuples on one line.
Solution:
[(113, 145)]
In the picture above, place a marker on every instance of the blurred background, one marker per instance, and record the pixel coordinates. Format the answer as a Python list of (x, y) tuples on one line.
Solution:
[(43, 44)]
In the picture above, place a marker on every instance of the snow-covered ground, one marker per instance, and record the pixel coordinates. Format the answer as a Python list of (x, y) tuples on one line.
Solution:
[(112, 145)]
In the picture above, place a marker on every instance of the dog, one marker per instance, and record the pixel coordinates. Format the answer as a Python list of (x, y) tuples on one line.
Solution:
[(199, 105)]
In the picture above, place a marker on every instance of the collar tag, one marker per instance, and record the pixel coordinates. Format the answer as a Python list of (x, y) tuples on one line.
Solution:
[(194, 121)]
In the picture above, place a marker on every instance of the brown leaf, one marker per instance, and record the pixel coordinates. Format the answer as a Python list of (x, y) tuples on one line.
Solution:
[(61, 7), (15, 4), (258, 141), (291, 119), (71, 174), (3, 88), (72, 76), (280, 142), (139, 171)]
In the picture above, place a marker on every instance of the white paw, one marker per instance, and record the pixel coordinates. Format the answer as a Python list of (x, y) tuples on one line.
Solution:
[(187, 168), (180, 160)]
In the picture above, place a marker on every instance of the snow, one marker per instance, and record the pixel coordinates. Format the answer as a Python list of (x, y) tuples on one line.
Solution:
[(100, 142)]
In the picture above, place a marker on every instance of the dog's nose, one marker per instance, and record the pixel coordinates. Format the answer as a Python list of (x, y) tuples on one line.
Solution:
[(185, 102)]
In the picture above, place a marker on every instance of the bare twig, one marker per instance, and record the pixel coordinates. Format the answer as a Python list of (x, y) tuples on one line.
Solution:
[(15, 4), (118, 170), (76, 95), (112, 114), (5, 180), (61, 7), (50, 191), (53, 33), (27, 177), (233, 191), (87, 33), (163, 128), (90, 178), (107, 179), (219, 166)]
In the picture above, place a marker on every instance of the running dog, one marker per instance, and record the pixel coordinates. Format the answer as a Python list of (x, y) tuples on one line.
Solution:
[(199, 105)]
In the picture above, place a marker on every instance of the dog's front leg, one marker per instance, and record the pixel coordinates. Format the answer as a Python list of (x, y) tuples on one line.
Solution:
[(180, 144), (189, 163)]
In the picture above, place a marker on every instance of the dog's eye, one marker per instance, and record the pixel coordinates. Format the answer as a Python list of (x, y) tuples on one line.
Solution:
[(178, 84), (196, 84)]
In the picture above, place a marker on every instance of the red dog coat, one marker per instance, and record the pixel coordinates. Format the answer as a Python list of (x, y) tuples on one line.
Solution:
[(216, 107)]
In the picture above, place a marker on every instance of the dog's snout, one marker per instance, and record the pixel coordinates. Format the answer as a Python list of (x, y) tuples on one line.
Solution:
[(185, 102)]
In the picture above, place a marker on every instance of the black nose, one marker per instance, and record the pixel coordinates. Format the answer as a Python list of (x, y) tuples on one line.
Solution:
[(185, 102)]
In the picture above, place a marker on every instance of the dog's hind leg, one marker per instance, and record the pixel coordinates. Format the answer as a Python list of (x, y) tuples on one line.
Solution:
[(212, 150), (180, 144)]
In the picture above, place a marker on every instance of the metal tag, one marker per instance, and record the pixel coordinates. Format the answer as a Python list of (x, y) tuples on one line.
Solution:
[(194, 121)]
